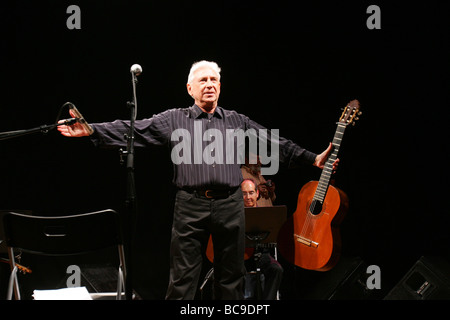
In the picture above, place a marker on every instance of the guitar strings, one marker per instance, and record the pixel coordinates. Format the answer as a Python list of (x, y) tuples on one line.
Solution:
[(309, 221), (308, 218)]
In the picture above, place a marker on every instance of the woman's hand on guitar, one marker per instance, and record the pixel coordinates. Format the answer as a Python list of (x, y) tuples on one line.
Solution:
[(321, 159)]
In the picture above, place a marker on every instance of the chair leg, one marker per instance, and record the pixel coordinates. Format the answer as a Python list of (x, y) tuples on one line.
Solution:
[(13, 285), (122, 273), (120, 284)]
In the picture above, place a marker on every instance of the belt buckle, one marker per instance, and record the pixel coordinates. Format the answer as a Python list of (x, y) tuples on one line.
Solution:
[(206, 194)]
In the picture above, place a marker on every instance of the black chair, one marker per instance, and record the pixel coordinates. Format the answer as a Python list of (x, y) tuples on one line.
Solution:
[(62, 236)]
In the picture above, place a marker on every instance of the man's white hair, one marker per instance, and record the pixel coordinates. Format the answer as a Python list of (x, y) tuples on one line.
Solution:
[(199, 64)]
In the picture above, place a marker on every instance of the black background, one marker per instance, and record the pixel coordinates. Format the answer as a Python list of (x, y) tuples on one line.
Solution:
[(287, 65)]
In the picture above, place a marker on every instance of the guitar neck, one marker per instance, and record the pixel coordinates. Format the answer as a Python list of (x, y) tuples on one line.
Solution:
[(327, 171)]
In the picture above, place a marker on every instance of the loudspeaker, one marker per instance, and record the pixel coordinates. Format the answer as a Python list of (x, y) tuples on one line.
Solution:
[(428, 279)]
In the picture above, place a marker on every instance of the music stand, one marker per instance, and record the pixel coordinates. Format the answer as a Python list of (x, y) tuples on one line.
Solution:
[(262, 225)]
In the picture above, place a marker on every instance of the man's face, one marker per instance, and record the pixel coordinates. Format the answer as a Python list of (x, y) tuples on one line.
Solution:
[(205, 88), (250, 194)]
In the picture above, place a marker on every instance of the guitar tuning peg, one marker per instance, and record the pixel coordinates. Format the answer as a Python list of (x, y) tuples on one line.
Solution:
[(359, 113), (353, 123)]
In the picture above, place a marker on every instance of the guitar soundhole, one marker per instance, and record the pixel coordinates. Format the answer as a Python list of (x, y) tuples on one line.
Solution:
[(316, 207)]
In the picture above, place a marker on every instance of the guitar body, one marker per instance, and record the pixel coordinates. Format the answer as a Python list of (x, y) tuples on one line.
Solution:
[(311, 240)]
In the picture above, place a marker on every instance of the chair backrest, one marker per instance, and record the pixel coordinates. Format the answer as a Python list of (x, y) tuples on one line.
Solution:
[(2, 233), (63, 235)]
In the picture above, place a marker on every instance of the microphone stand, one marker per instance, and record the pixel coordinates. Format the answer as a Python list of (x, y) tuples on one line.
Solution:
[(130, 202), (42, 129)]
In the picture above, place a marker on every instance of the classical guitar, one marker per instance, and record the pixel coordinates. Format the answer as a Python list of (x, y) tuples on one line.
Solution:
[(310, 238)]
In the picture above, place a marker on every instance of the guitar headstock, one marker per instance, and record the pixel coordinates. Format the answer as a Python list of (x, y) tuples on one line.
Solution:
[(350, 113)]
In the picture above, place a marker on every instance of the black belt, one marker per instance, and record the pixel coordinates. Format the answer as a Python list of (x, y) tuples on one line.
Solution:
[(211, 193)]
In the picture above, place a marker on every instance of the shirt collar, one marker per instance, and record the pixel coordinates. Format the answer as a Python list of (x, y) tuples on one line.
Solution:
[(197, 113)]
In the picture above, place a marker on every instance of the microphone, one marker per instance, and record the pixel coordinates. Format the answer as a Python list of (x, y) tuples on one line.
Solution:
[(136, 69), (67, 122), (80, 119)]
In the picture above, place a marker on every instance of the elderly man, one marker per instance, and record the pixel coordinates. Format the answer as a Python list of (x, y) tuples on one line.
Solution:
[(208, 200), (250, 193)]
